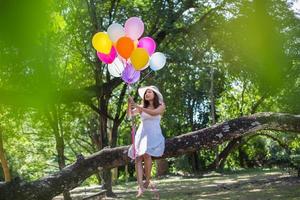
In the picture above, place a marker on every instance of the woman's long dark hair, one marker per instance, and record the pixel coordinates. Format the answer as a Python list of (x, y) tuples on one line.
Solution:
[(146, 103)]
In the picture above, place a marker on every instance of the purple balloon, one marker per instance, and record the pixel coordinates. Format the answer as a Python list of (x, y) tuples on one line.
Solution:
[(130, 75), (108, 58), (147, 43)]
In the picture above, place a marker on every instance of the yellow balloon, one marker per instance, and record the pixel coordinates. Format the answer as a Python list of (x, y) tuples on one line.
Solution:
[(102, 43), (139, 58)]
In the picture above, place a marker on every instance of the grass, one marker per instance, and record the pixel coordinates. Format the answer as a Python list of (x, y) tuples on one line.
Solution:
[(245, 184)]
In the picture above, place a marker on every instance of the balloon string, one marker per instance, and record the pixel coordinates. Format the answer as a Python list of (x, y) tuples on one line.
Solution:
[(118, 69), (129, 105), (124, 65), (132, 138), (146, 75), (132, 118), (131, 75), (132, 126)]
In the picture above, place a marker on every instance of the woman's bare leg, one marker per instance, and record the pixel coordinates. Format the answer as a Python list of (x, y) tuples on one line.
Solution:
[(148, 168), (139, 175)]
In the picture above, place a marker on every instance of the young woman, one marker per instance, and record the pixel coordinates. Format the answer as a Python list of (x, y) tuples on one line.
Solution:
[(149, 140)]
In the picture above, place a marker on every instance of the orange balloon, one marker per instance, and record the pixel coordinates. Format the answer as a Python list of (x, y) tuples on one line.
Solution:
[(125, 47)]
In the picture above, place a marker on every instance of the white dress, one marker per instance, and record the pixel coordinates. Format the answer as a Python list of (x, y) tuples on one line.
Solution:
[(148, 138)]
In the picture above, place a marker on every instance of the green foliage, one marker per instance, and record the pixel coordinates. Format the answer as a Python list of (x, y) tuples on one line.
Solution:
[(250, 46), (295, 160), (180, 164)]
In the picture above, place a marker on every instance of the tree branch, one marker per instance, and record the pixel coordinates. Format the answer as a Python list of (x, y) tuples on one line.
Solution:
[(73, 175)]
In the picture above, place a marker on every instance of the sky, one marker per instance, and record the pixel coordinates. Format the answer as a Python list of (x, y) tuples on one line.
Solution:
[(296, 6)]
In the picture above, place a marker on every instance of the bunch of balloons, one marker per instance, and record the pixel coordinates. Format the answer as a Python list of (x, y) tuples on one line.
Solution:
[(125, 52)]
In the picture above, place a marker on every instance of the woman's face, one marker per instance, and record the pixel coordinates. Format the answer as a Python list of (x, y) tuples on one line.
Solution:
[(149, 95)]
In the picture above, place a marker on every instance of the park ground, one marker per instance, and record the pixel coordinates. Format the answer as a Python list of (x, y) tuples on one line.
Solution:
[(255, 184)]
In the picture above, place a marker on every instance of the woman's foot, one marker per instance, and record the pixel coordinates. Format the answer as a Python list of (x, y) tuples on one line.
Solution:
[(140, 192), (146, 184), (154, 190)]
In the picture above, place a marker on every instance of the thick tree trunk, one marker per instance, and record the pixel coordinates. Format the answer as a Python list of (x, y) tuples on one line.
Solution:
[(213, 113), (120, 115), (61, 161), (162, 166), (243, 158), (60, 145), (73, 175), (193, 157), (114, 175), (212, 97), (232, 145), (126, 173), (106, 175), (4, 163), (225, 153)]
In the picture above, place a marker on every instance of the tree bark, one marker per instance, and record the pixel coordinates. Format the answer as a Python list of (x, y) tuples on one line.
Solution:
[(231, 146), (195, 161), (106, 175), (243, 158), (73, 175), (58, 132), (162, 166), (213, 113)]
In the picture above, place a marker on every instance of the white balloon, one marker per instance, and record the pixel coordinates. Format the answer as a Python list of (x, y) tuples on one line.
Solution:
[(115, 31), (116, 68), (157, 61)]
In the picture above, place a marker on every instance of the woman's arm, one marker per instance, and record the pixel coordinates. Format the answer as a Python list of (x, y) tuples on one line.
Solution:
[(157, 111), (132, 109), (135, 112)]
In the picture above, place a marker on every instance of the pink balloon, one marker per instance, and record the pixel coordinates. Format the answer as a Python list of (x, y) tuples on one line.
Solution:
[(147, 43), (108, 58), (134, 28)]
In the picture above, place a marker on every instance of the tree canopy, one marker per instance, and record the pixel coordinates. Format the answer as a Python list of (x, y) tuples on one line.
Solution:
[(225, 59)]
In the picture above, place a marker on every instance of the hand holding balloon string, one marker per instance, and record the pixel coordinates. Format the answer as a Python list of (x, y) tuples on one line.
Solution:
[(133, 105)]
